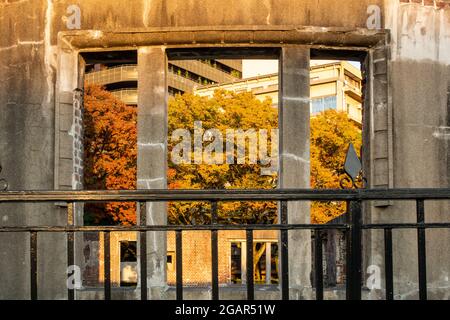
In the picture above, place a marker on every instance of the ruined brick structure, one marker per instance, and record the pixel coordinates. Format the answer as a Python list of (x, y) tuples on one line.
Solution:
[(404, 50)]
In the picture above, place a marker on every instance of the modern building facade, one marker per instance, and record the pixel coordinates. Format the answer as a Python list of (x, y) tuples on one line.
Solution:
[(183, 76), (334, 85)]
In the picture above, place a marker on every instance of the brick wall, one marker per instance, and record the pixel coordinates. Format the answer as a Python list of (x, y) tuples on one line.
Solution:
[(93, 257), (77, 136), (91, 271), (439, 4), (197, 254), (115, 239)]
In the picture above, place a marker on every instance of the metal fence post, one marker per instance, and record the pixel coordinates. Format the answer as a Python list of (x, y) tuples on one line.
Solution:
[(354, 252), (214, 254), (143, 249), (421, 254)]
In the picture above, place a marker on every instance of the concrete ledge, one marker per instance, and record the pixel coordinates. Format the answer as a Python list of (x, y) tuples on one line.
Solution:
[(222, 36), (263, 292), (227, 292)]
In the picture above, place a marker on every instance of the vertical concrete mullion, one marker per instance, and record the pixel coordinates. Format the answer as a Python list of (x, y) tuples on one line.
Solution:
[(151, 158), (268, 262), (244, 262), (294, 160)]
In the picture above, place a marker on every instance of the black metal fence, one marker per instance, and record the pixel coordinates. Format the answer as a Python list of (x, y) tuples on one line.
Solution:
[(353, 229)]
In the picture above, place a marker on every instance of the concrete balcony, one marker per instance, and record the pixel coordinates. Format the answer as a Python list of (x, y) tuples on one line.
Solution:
[(355, 114), (204, 70), (353, 92), (113, 75), (130, 95), (128, 73), (127, 96), (181, 83)]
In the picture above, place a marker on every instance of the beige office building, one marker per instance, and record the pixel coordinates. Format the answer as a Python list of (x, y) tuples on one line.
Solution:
[(334, 85)]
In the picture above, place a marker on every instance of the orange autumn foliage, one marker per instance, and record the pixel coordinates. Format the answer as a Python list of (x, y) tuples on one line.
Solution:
[(331, 132), (110, 150)]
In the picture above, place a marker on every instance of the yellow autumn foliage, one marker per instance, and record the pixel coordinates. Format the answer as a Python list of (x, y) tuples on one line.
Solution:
[(111, 148)]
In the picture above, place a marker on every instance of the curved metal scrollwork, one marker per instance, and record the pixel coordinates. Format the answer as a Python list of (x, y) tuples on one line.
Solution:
[(358, 183), (3, 182)]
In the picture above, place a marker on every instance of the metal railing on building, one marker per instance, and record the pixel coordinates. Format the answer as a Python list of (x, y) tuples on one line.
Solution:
[(112, 75), (127, 96)]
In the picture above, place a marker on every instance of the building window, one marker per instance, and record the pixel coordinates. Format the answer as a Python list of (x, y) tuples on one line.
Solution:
[(128, 263), (170, 261), (265, 259), (322, 104), (274, 263), (236, 262)]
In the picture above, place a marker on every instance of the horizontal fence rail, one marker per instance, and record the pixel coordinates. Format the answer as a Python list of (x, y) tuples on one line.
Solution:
[(226, 195), (353, 228)]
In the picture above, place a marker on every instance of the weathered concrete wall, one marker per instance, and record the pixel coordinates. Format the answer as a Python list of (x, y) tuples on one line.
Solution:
[(27, 146), (420, 86), (419, 76), (176, 13)]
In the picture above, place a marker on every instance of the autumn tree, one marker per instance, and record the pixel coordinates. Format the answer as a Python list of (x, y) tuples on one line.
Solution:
[(331, 133), (110, 148), (223, 111), (110, 156)]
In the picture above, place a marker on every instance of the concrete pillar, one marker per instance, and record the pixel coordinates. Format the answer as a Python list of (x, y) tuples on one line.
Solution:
[(268, 262), (340, 96), (294, 160), (244, 262), (151, 159)]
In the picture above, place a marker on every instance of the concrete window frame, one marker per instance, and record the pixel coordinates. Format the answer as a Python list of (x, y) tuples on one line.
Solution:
[(332, 42), (297, 44), (243, 243)]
